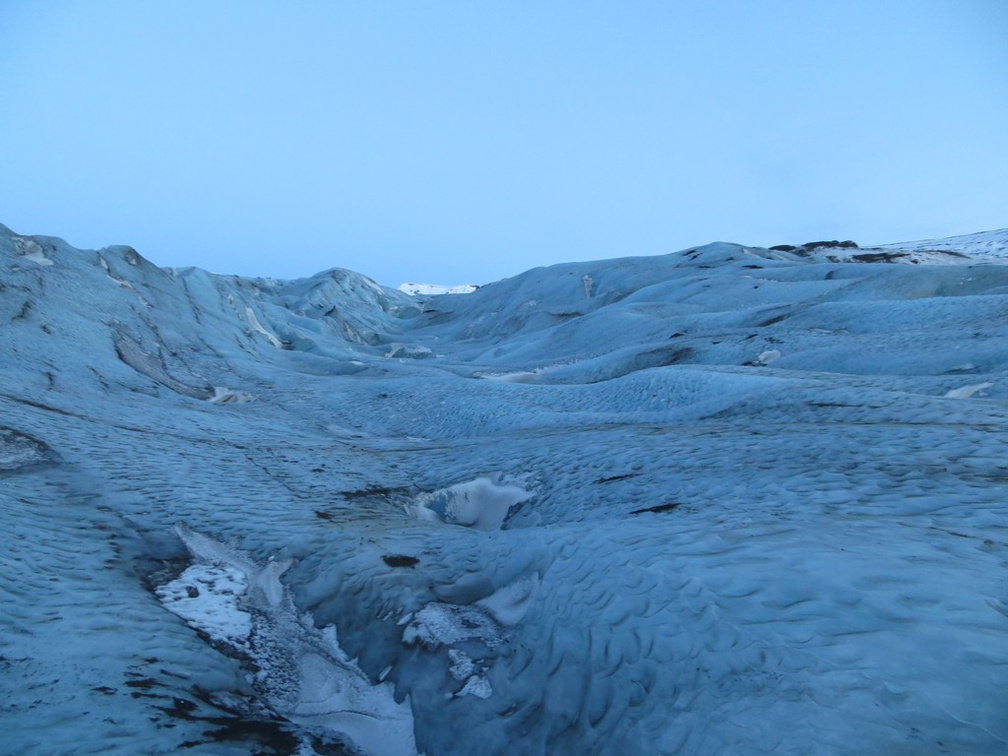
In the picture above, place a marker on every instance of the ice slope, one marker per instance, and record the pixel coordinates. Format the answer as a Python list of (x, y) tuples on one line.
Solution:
[(729, 500)]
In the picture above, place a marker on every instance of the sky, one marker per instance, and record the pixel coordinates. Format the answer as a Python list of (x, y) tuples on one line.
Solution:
[(465, 142)]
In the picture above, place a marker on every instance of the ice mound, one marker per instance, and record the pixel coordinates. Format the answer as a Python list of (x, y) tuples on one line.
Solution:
[(482, 504)]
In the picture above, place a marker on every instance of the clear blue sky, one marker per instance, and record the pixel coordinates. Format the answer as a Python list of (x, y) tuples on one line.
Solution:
[(454, 142)]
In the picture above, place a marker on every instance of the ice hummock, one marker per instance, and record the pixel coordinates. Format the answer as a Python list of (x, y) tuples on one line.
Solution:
[(483, 503)]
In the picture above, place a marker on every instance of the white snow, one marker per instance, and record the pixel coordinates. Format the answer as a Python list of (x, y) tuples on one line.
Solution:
[(206, 597), (477, 686), (965, 392), (30, 250), (416, 289), (983, 245), (122, 282), (223, 395), (440, 624), (257, 327)]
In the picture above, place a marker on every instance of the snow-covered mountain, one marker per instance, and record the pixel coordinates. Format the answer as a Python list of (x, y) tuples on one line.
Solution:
[(727, 500), (983, 245), (428, 289)]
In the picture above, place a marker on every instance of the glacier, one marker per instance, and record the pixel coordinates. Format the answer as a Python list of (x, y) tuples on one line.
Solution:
[(726, 500)]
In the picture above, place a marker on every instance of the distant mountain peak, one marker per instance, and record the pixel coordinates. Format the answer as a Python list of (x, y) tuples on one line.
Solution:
[(415, 289)]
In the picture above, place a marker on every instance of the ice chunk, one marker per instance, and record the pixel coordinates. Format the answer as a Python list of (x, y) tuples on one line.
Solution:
[(965, 392), (415, 289), (482, 504), (478, 686), (440, 624), (206, 596)]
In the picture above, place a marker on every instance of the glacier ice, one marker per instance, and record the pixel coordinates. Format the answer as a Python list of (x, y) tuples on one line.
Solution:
[(724, 500)]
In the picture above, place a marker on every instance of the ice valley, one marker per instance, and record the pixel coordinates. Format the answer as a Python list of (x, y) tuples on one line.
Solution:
[(726, 500)]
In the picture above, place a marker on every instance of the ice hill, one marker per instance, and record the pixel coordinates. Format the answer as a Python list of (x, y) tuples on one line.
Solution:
[(727, 500)]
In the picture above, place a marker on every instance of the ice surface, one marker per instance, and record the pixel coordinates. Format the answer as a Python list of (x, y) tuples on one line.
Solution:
[(728, 500)]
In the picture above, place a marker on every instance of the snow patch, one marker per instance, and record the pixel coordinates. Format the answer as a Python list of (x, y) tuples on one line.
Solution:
[(408, 352), (30, 250), (965, 392), (206, 597), (478, 686), (485, 621), (990, 245), (257, 326), (230, 396), (465, 670), (439, 624), (415, 289), (122, 282)]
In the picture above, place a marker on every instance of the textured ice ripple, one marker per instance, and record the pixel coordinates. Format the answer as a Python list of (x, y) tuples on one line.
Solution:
[(723, 553)]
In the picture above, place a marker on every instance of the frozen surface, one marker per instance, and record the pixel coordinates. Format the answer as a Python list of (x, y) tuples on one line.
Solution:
[(729, 500)]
